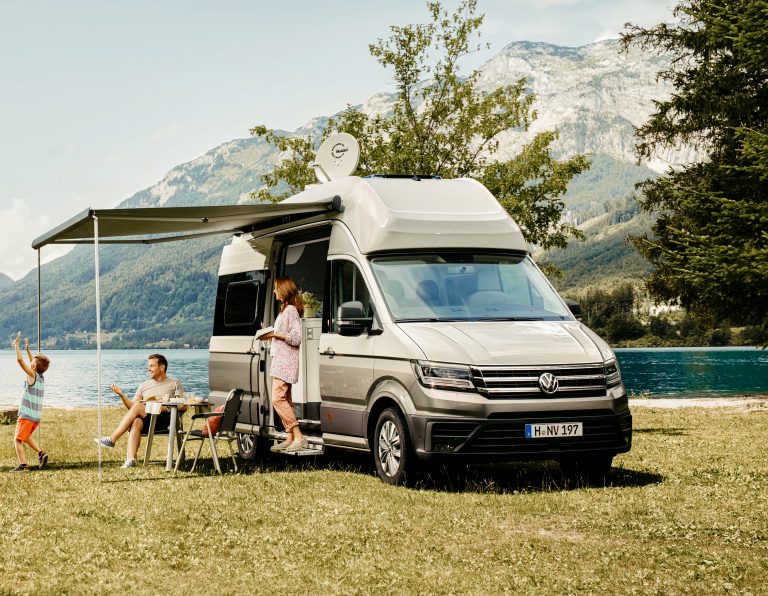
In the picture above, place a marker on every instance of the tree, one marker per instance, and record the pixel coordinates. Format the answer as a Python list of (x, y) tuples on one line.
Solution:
[(709, 243), (441, 124)]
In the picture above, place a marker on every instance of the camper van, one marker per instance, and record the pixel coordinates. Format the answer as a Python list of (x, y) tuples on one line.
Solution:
[(438, 339)]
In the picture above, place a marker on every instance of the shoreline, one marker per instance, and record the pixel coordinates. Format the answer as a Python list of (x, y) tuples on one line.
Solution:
[(759, 401), (735, 401)]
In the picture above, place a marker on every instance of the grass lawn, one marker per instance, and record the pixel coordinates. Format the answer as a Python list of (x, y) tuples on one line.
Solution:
[(686, 511)]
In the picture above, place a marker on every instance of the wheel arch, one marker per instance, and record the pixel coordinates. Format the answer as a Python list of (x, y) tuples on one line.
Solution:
[(386, 393)]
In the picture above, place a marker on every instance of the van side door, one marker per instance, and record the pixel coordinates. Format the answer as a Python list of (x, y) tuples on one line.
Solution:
[(346, 362)]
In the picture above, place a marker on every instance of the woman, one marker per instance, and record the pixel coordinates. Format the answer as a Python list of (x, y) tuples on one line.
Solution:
[(286, 338)]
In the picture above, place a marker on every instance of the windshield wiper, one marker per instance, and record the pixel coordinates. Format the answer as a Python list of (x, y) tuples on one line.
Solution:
[(511, 319), (431, 320)]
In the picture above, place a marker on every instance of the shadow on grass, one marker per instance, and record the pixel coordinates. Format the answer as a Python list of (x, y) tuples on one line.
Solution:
[(542, 476), (499, 478), (672, 432)]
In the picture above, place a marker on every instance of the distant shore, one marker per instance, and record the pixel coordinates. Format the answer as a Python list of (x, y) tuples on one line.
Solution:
[(737, 401)]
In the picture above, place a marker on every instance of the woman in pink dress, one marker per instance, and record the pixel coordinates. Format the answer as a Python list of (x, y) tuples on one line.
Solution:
[(286, 338)]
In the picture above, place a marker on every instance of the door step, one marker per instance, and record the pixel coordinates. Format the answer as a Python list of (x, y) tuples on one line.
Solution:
[(309, 451), (315, 447)]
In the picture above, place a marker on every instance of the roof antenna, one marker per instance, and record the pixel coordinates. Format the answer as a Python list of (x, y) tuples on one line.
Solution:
[(336, 158)]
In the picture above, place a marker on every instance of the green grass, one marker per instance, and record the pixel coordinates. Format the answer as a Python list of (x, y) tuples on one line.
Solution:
[(686, 511)]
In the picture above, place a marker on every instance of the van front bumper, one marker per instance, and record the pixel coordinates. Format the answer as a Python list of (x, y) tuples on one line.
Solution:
[(502, 437)]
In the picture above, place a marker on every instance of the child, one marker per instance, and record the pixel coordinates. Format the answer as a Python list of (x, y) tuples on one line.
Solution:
[(31, 408)]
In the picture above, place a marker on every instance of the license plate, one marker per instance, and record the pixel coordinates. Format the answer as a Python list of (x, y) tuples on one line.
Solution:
[(561, 429)]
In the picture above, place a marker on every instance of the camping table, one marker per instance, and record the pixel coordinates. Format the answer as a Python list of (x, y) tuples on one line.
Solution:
[(172, 431), (172, 427)]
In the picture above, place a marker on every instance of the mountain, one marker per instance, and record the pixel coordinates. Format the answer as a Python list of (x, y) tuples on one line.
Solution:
[(5, 281), (593, 95)]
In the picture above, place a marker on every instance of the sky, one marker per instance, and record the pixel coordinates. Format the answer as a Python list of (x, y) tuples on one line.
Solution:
[(100, 98)]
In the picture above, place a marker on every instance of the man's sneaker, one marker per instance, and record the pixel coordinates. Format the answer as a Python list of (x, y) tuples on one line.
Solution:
[(105, 442), (129, 463), (42, 459), (21, 468)]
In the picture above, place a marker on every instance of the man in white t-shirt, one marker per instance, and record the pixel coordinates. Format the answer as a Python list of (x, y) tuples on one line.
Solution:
[(135, 420)]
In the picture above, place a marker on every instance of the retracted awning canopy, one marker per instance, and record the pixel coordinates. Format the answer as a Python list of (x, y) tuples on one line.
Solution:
[(151, 225)]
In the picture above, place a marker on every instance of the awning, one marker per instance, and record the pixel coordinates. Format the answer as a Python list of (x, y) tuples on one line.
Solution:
[(165, 224), (151, 225)]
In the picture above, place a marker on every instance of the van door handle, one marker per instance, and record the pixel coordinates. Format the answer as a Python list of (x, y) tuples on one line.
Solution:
[(328, 352)]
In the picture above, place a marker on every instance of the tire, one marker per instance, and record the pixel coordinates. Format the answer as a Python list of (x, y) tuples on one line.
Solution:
[(586, 470), (251, 446), (392, 454)]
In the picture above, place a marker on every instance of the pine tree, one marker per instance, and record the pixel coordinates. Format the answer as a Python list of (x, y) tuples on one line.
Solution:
[(709, 243)]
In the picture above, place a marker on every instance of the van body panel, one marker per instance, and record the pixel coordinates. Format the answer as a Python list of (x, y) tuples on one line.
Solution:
[(504, 342), (397, 214), (346, 375), (239, 256)]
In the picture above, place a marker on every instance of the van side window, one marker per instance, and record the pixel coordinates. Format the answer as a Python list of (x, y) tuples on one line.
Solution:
[(239, 300), (347, 284), (240, 303)]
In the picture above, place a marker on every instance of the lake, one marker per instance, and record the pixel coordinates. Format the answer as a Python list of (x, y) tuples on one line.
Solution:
[(694, 372), (660, 372)]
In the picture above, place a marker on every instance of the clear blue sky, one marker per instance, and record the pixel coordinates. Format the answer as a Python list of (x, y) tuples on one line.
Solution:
[(100, 98)]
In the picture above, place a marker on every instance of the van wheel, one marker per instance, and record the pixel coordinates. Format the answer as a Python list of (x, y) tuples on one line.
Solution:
[(586, 471), (391, 448), (251, 446)]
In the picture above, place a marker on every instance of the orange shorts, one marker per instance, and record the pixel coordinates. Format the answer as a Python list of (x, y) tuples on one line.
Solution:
[(24, 429)]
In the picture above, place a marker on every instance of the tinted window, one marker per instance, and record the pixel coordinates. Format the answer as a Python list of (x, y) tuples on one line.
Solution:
[(347, 285), (239, 302)]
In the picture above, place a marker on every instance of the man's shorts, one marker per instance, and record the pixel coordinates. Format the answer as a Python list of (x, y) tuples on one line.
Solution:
[(24, 429), (162, 422)]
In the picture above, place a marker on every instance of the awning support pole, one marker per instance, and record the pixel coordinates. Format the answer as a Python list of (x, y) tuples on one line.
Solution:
[(39, 293), (39, 345), (98, 329)]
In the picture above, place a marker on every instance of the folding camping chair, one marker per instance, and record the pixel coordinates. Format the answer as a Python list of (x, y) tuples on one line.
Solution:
[(227, 418)]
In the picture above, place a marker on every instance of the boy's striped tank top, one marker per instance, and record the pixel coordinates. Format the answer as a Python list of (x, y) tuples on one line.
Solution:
[(32, 401)]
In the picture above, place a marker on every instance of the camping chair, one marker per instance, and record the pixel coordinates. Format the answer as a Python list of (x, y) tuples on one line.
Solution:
[(225, 432)]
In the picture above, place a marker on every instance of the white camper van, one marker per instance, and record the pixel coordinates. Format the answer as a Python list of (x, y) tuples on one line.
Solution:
[(438, 339)]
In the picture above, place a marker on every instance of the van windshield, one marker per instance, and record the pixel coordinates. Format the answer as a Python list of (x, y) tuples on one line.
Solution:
[(466, 287)]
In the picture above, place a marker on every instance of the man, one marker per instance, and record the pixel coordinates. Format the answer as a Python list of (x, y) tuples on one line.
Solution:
[(135, 420)]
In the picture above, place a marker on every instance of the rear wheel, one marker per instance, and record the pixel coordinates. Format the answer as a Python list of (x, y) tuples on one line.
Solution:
[(586, 470), (392, 453), (251, 446)]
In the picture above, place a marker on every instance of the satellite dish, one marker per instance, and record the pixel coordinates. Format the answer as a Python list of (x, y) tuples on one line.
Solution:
[(337, 157)]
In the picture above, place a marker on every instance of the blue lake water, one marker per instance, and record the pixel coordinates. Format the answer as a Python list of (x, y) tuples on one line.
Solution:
[(71, 380), (694, 372), (662, 372)]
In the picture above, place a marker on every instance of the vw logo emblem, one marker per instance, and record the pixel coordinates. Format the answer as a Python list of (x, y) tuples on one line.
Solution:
[(548, 383)]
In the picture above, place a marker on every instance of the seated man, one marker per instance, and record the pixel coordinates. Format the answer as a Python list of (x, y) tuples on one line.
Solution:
[(135, 420)]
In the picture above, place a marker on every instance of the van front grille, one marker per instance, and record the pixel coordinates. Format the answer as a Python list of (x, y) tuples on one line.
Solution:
[(522, 382)]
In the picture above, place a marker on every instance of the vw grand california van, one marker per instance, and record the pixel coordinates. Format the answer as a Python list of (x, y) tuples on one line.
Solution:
[(438, 338)]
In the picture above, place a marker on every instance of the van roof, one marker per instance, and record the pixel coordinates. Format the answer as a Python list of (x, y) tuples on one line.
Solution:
[(386, 214)]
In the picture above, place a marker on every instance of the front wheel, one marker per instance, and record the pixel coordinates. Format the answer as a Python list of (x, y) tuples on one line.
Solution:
[(392, 453)]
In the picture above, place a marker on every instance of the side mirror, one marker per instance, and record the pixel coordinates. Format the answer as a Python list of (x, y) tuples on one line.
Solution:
[(351, 319), (574, 307)]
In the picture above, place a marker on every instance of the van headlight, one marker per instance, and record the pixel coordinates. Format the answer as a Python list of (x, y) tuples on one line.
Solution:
[(612, 374), (438, 375)]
